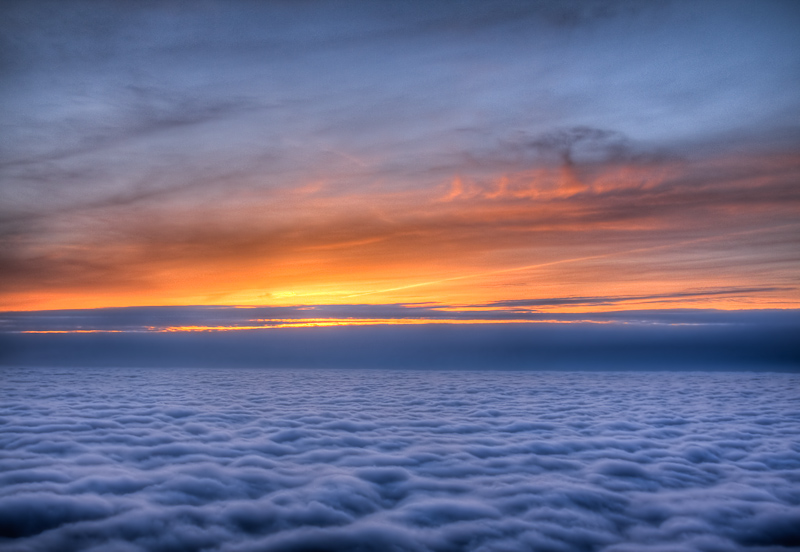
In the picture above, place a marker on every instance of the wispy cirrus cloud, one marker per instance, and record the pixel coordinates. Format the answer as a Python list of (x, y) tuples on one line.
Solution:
[(488, 224), (268, 150)]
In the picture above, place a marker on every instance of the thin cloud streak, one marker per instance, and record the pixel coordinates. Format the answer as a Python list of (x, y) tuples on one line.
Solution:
[(592, 257), (582, 309)]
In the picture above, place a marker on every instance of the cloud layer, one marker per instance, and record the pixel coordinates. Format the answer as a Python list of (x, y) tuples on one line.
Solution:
[(269, 460)]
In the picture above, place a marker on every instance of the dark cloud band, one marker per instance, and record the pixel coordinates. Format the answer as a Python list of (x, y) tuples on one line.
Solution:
[(673, 340)]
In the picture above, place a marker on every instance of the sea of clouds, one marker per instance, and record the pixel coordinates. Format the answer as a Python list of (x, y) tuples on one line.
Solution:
[(313, 460)]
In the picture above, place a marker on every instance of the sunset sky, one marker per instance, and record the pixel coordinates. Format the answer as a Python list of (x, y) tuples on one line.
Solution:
[(399, 275), (464, 161)]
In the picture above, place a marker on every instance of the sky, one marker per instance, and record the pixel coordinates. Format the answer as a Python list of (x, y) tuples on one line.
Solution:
[(449, 161)]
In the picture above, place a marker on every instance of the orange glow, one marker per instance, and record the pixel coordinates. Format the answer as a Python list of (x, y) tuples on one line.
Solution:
[(655, 229)]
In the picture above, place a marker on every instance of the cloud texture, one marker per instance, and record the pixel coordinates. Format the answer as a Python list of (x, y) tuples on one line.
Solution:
[(270, 460), (255, 153)]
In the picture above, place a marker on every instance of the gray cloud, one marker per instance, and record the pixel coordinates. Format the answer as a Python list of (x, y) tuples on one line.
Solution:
[(239, 460), (395, 84)]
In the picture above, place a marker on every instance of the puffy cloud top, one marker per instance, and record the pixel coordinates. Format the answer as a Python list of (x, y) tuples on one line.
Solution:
[(269, 460)]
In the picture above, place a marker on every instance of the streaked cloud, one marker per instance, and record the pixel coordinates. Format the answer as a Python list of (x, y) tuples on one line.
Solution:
[(138, 319), (270, 154)]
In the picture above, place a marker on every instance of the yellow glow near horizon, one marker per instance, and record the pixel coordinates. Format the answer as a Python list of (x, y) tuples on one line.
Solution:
[(324, 322), (470, 241)]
